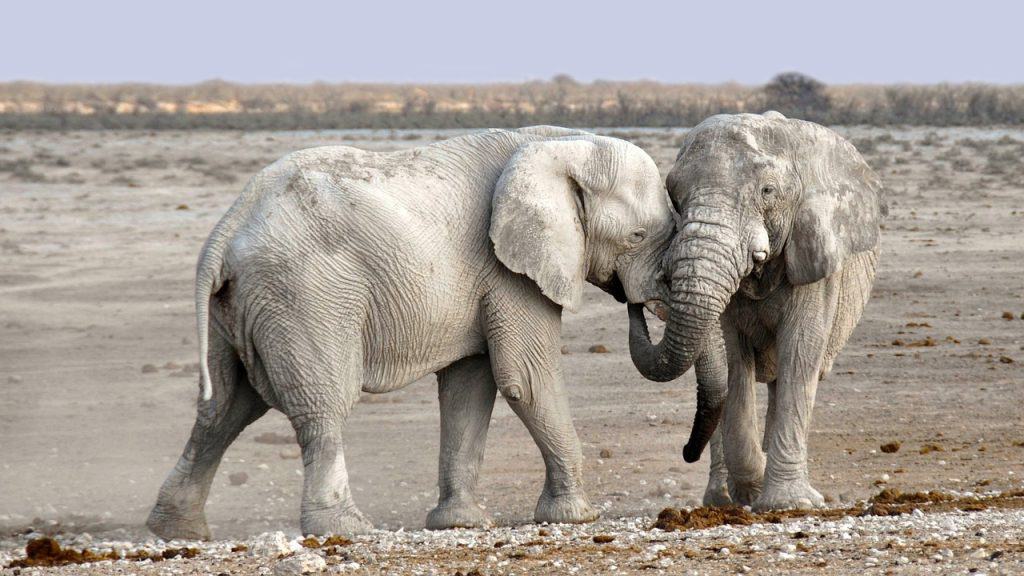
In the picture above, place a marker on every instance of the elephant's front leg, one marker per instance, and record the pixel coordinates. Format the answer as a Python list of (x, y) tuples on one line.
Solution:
[(466, 392), (786, 483), (717, 491), (744, 459), (526, 359)]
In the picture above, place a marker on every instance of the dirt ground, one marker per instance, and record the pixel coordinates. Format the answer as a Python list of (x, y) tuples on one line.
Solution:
[(99, 232)]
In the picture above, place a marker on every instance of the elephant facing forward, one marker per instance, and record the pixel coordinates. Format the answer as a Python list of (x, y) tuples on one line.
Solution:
[(340, 270), (770, 272)]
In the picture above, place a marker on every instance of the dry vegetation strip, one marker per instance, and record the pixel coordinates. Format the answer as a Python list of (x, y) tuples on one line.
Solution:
[(223, 105)]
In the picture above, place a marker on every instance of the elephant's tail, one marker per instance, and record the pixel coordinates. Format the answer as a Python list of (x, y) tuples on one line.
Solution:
[(211, 272), (209, 278)]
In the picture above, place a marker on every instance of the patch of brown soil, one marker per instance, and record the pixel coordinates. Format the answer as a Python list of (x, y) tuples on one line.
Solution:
[(671, 519), (888, 502), (48, 552), (894, 496)]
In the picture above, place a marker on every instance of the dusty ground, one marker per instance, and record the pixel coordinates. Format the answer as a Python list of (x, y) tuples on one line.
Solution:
[(98, 237)]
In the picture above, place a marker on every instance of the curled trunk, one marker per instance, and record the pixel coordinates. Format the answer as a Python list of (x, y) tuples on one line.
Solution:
[(705, 276)]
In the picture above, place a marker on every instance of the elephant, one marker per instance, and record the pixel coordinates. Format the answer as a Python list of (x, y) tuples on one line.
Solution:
[(339, 271), (770, 271)]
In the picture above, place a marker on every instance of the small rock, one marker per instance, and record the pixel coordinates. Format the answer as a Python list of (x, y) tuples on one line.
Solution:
[(603, 538), (598, 349), (302, 563), (238, 478), (149, 369), (181, 207), (1006, 360), (979, 554), (605, 453), (984, 341), (272, 544), (890, 447), (16, 379), (1008, 315), (565, 350)]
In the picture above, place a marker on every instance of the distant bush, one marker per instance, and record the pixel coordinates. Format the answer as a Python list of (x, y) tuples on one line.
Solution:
[(795, 94)]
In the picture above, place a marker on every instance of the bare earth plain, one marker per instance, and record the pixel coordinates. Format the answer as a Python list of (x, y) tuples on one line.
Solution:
[(99, 232)]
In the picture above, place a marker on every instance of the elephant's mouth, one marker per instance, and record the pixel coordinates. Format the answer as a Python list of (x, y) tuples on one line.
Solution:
[(614, 287), (658, 308)]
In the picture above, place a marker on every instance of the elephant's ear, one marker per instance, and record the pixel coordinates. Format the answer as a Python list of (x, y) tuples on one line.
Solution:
[(537, 216), (840, 209)]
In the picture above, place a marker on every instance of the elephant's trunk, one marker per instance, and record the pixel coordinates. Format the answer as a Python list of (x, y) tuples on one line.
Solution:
[(708, 265)]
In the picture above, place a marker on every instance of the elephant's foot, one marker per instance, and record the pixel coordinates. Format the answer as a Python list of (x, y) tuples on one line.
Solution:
[(571, 508), (340, 521), (744, 492), (170, 525), (788, 495), (458, 513), (717, 492)]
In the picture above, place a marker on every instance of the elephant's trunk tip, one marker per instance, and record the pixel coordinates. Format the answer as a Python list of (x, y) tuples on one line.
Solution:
[(692, 452)]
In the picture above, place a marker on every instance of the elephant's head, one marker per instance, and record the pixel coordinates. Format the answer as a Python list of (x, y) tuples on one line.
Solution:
[(758, 195), (584, 207)]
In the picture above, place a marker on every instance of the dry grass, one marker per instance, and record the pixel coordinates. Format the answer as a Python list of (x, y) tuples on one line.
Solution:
[(562, 101)]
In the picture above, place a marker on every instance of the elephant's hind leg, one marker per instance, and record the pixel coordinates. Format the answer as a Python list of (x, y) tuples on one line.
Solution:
[(466, 391), (317, 379), (179, 509)]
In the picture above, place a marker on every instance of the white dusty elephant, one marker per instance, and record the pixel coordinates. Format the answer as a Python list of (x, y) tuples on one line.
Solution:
[(340, 270), (770, 272)]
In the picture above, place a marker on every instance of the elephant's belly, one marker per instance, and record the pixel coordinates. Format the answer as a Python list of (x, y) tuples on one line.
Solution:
[(393, 359)]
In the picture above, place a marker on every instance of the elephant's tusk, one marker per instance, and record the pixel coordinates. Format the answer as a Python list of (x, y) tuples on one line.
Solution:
[(658, 308)]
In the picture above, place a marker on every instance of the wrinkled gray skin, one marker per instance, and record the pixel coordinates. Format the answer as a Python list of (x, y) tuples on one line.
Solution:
[(340, 270), (770, 271)]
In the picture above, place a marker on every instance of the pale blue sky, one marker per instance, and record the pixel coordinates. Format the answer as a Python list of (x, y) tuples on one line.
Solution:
[(184, 41)]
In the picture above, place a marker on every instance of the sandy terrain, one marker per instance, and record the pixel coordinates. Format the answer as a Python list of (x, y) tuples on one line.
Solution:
[(99, 232)]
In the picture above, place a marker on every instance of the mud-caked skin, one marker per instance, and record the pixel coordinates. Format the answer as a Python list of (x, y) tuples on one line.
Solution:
[(340, 270), (770, 271)]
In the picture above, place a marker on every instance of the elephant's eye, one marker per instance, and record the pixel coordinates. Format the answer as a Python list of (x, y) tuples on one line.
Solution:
[(768, 190), (638, 236)]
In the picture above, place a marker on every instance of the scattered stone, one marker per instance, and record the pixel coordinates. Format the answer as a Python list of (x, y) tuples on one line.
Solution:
[(565, 349), (598, 349), (238, 478), (605, 453), (272, 545), (984, 341), (603, 538), (302, 563), (1008, 315), (929, 448), (890, 447), (1006, 360), (181, 207)]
